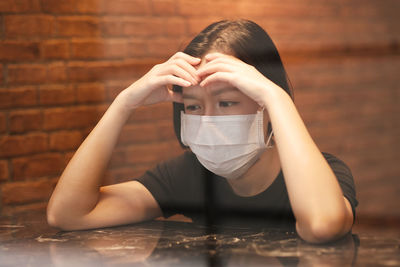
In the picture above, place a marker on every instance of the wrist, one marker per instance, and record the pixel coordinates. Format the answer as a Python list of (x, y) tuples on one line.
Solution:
[(272, 95), (122, 105)]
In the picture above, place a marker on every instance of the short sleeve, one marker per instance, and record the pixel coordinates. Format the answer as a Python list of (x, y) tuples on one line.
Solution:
[(157, 182), (345, 179), (173, 184)]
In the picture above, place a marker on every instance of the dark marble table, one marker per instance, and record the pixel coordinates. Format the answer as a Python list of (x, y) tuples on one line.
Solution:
[(27, 240)]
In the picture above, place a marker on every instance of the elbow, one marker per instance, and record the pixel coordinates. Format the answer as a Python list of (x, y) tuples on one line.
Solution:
[(54, 219), (324, 229)]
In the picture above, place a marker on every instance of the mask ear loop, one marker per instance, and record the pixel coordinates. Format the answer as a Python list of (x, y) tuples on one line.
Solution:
[(269, 139), (267, 144)]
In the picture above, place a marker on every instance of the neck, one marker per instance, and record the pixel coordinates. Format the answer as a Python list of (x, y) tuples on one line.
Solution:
[(260, 176)]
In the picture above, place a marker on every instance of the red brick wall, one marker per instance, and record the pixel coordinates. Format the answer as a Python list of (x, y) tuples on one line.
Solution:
[(62, 62)]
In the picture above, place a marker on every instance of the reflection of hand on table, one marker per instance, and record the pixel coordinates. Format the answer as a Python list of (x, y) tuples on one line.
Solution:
[(127, 244)]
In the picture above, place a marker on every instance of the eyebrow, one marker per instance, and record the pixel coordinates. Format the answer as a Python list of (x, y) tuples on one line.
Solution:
[(213, 93)]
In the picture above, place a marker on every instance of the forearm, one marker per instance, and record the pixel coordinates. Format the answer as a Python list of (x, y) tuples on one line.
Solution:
[(315, 195), (77, 191)]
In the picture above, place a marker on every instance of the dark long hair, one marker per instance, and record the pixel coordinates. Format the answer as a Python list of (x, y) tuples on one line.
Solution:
[(243, 39)]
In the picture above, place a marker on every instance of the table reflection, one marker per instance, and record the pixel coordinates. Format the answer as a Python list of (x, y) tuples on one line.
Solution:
[(30, 242), (168, 243)]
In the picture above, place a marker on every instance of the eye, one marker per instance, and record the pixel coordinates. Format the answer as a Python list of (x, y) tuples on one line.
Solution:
[(192, 107), (227, 104)]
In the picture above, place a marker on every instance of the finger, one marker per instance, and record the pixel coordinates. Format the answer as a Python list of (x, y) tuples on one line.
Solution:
[(179, 72), (171, 79), (192, 60), (225, 77), (212, 68), (189, 68), (226, 60)]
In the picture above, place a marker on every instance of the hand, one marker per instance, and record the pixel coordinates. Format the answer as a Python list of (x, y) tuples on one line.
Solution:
[(221, 68), (156, 85)]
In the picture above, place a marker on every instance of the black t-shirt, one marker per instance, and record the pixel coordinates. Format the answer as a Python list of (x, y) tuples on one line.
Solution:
[(183, 186)]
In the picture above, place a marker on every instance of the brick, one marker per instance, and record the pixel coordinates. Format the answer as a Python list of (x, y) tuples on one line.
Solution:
[(18, 97), (91, 49), (151, 153), (3, 122), (19, 50), (115, 49), (86, 49), (19, 6), (71, 118), (68, 156), (1, 73), (111, 26), (137, 48), (164, 7), (102, 70), (259, 9), (161, 111), (72, 26), (56, 72), (37, 166), (25, 120), (147, 132), (90, 93), (4, 171), (113, 88), (65, 140), (164, 48), (88, 6), (125, 174), (17, 145), (54, 49), (208, 8), (326, 72), (59, 6), (27, 74), (126, 7), (56, 94), (175, 27), (28, 25), (71, 6), (197, 24), (143, 27), (27, 191)]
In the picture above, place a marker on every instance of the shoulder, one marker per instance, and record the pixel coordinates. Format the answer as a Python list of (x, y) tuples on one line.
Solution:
[(345, 179), (336, 164)]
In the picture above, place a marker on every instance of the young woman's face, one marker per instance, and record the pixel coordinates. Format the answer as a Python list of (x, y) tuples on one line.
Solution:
[(217, 100)]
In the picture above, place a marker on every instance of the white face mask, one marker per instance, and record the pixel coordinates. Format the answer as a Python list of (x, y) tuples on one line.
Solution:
[(226, 145)]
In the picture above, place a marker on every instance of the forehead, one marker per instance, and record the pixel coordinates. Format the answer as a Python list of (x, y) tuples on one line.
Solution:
[(212, 90), (215, 88)]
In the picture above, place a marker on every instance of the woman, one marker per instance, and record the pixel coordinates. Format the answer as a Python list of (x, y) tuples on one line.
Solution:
[(231, 96)]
